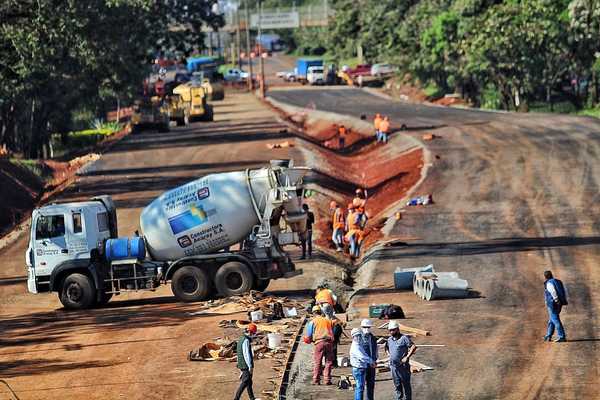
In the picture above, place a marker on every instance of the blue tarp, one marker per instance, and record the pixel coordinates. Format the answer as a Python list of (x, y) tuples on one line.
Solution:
[(193, 64)]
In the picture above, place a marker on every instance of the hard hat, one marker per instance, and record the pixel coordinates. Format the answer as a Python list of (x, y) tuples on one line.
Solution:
[(252, 328), (316, 308), (366, 323), (393, 325), (355, 332), (333, 204)]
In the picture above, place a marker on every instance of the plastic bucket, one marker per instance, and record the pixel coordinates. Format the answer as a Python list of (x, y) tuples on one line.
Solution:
[(274, 340), (256, 315)]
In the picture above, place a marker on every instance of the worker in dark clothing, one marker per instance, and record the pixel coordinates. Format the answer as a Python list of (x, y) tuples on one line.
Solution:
[(306, 237), (245, 362), (555, 297), (400, 348)]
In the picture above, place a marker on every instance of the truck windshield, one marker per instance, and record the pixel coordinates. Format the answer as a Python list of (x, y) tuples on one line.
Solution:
[(317, 70), (49, 226)]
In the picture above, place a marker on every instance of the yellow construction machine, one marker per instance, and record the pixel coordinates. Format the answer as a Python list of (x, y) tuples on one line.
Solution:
[(179, 109), (150, 113), (194, 95)]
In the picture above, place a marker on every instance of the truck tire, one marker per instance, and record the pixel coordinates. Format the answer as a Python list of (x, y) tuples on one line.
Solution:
[(234, 278), (261, 284), (77, 292), (190, 284)]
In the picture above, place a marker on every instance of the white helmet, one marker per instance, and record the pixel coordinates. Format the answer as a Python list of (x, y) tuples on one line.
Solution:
[(393, 325), (355, 332), (366, 323)]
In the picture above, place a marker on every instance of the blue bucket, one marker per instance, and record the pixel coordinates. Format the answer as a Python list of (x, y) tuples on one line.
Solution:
[(125, 248)]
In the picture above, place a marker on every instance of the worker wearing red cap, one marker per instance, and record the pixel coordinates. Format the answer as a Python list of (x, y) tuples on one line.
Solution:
[(338, 224), (245, 362)]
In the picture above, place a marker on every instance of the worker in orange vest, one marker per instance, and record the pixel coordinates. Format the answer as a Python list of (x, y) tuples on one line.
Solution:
[(338, 225), (360, 198), (355, 235), (376, 123), (320, 333), (342, 132), (326, 299), (384, 128), (349, 216)]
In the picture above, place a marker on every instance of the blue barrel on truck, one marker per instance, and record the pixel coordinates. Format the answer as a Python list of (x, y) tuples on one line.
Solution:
[(302, 66), (125, 249)]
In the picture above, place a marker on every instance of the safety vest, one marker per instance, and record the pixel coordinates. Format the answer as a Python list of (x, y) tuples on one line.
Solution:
[(377, 122), (384, 126), (338, 219), (322, 329), (324, 296), (352, 224)]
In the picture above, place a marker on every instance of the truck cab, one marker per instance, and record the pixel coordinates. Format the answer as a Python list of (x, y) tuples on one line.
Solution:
[(316, 75), (66, 237)]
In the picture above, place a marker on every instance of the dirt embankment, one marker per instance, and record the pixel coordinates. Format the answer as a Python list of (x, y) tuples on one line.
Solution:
[(25, 187), (387, 172)]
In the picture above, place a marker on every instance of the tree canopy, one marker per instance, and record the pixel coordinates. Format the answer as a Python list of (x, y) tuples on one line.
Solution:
[(60, 55)]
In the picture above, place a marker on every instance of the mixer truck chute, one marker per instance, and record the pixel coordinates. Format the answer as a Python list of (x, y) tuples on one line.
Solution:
[(224, 231)]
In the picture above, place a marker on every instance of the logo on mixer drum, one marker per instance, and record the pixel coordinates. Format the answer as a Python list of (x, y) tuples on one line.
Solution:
[(203, 193), (184, 241)]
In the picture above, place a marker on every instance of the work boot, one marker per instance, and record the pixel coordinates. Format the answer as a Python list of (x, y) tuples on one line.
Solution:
[(547, 338)]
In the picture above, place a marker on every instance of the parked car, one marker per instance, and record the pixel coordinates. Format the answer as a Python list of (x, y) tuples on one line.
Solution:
[(361, 69), (379, 70), (290, 76), (235, 75)]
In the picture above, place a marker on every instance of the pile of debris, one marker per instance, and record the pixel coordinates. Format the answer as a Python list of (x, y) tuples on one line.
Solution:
[(277, 319), (272, 307)]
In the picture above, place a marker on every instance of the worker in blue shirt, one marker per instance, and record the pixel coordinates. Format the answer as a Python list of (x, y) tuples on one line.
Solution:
[(369, 345), (555, 297), (400, 348)]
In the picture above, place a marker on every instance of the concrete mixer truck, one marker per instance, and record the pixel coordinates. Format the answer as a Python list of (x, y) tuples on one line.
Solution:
[(222, 233)]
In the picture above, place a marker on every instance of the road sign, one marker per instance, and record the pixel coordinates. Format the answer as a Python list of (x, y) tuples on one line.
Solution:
[(276, 20)]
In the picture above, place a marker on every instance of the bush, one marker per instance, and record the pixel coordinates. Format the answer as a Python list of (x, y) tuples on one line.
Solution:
[(433, 91), (491, 98)]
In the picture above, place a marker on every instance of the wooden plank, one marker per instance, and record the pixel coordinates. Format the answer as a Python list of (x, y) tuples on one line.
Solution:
[(414, 330)]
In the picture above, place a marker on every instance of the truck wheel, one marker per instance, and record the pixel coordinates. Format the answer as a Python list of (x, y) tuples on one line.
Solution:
[(77, 292), (261, 284), (190, 284), (234, 278)]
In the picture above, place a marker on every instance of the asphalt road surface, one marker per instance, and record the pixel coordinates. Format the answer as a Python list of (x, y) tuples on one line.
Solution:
[(515, 194)]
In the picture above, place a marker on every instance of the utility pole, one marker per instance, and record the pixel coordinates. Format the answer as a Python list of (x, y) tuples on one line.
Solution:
[(262, 61), (250, 84), (237, 36)]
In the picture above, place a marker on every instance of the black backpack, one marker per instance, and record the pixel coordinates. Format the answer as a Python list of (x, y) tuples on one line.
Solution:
[(392, 312)]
